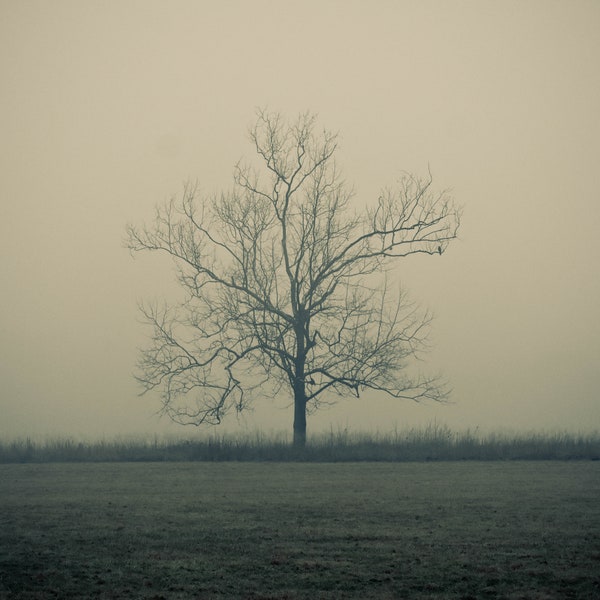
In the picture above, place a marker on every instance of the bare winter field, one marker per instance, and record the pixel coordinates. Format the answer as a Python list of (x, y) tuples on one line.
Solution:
[(300, 530)]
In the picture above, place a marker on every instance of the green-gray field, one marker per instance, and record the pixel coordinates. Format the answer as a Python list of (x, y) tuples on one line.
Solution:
[(298, 530)]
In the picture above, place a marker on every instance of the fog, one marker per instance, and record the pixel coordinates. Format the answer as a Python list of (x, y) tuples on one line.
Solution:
[(107, 108)]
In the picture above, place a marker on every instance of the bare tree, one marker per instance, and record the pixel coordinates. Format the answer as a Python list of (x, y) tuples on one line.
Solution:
[(285, 284)]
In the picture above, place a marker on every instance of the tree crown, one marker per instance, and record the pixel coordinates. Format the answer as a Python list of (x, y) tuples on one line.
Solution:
[(284, 283)]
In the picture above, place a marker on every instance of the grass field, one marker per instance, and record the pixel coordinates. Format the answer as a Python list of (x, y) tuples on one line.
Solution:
[(300, 530)]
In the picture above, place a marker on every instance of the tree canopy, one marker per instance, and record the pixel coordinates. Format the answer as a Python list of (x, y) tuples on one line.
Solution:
[(285, 285)]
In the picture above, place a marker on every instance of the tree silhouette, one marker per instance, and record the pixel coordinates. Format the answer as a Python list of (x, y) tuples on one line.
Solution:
[(285, 285)]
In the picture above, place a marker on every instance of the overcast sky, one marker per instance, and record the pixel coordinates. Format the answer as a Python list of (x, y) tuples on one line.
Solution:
[(107, 108)]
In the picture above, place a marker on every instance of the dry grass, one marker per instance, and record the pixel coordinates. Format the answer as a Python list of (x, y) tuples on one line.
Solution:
[(434, 442), (296, 530)]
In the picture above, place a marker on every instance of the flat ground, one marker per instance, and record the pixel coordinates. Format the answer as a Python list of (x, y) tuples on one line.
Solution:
[(280, 530)]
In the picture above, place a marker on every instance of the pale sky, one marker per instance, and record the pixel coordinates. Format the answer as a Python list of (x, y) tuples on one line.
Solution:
[(108, 107)]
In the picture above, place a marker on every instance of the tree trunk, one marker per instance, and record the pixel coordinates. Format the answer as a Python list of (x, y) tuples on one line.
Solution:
[(299, 387), (299, 415)]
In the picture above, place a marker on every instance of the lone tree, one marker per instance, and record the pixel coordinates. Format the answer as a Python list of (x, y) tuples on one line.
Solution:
[(285, 284)]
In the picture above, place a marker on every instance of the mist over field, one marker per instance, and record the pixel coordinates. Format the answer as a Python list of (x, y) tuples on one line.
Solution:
[(108, 108)]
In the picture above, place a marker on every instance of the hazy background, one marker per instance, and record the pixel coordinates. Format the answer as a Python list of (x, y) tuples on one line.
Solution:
[(106, 108)]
